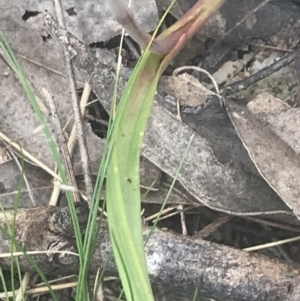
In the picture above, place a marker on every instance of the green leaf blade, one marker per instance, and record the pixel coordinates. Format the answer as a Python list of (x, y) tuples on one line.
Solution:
[(123, 182)]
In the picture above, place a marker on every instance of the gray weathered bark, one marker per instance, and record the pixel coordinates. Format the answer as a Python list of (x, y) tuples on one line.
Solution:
[(177, 265)]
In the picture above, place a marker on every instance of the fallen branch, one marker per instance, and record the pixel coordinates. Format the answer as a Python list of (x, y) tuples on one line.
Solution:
[(177, 264)]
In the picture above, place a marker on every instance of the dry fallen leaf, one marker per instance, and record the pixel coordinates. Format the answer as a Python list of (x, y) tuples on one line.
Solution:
[(277, 162)]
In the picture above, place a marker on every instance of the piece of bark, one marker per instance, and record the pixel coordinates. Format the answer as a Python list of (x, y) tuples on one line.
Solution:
[(177, 265), (45, 228)]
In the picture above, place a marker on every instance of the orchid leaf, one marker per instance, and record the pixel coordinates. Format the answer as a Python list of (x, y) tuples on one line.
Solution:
[(123, 180)]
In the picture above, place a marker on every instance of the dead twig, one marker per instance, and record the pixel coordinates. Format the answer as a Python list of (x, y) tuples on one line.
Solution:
[(212, 227), (265, 72), (76, 109), (178, 263), (62, 145), (272, 223)]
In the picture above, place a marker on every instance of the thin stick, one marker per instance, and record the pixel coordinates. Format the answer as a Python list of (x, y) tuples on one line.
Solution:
[(62, 145), (212, 227), (182, 220), (272, 244), (83, 102), (179, 210), (55, 193), (76, 109), (98, 120), (71, 142), (55, 287), (271, 223), (153, 216), (271, 47)]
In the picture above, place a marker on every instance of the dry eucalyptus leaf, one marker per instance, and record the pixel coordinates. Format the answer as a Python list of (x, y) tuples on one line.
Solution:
[(277, 162), (283, 120), (19, 121), (218, 185)]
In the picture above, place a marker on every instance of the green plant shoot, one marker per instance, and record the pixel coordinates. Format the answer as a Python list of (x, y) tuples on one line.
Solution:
[(123, 183)]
